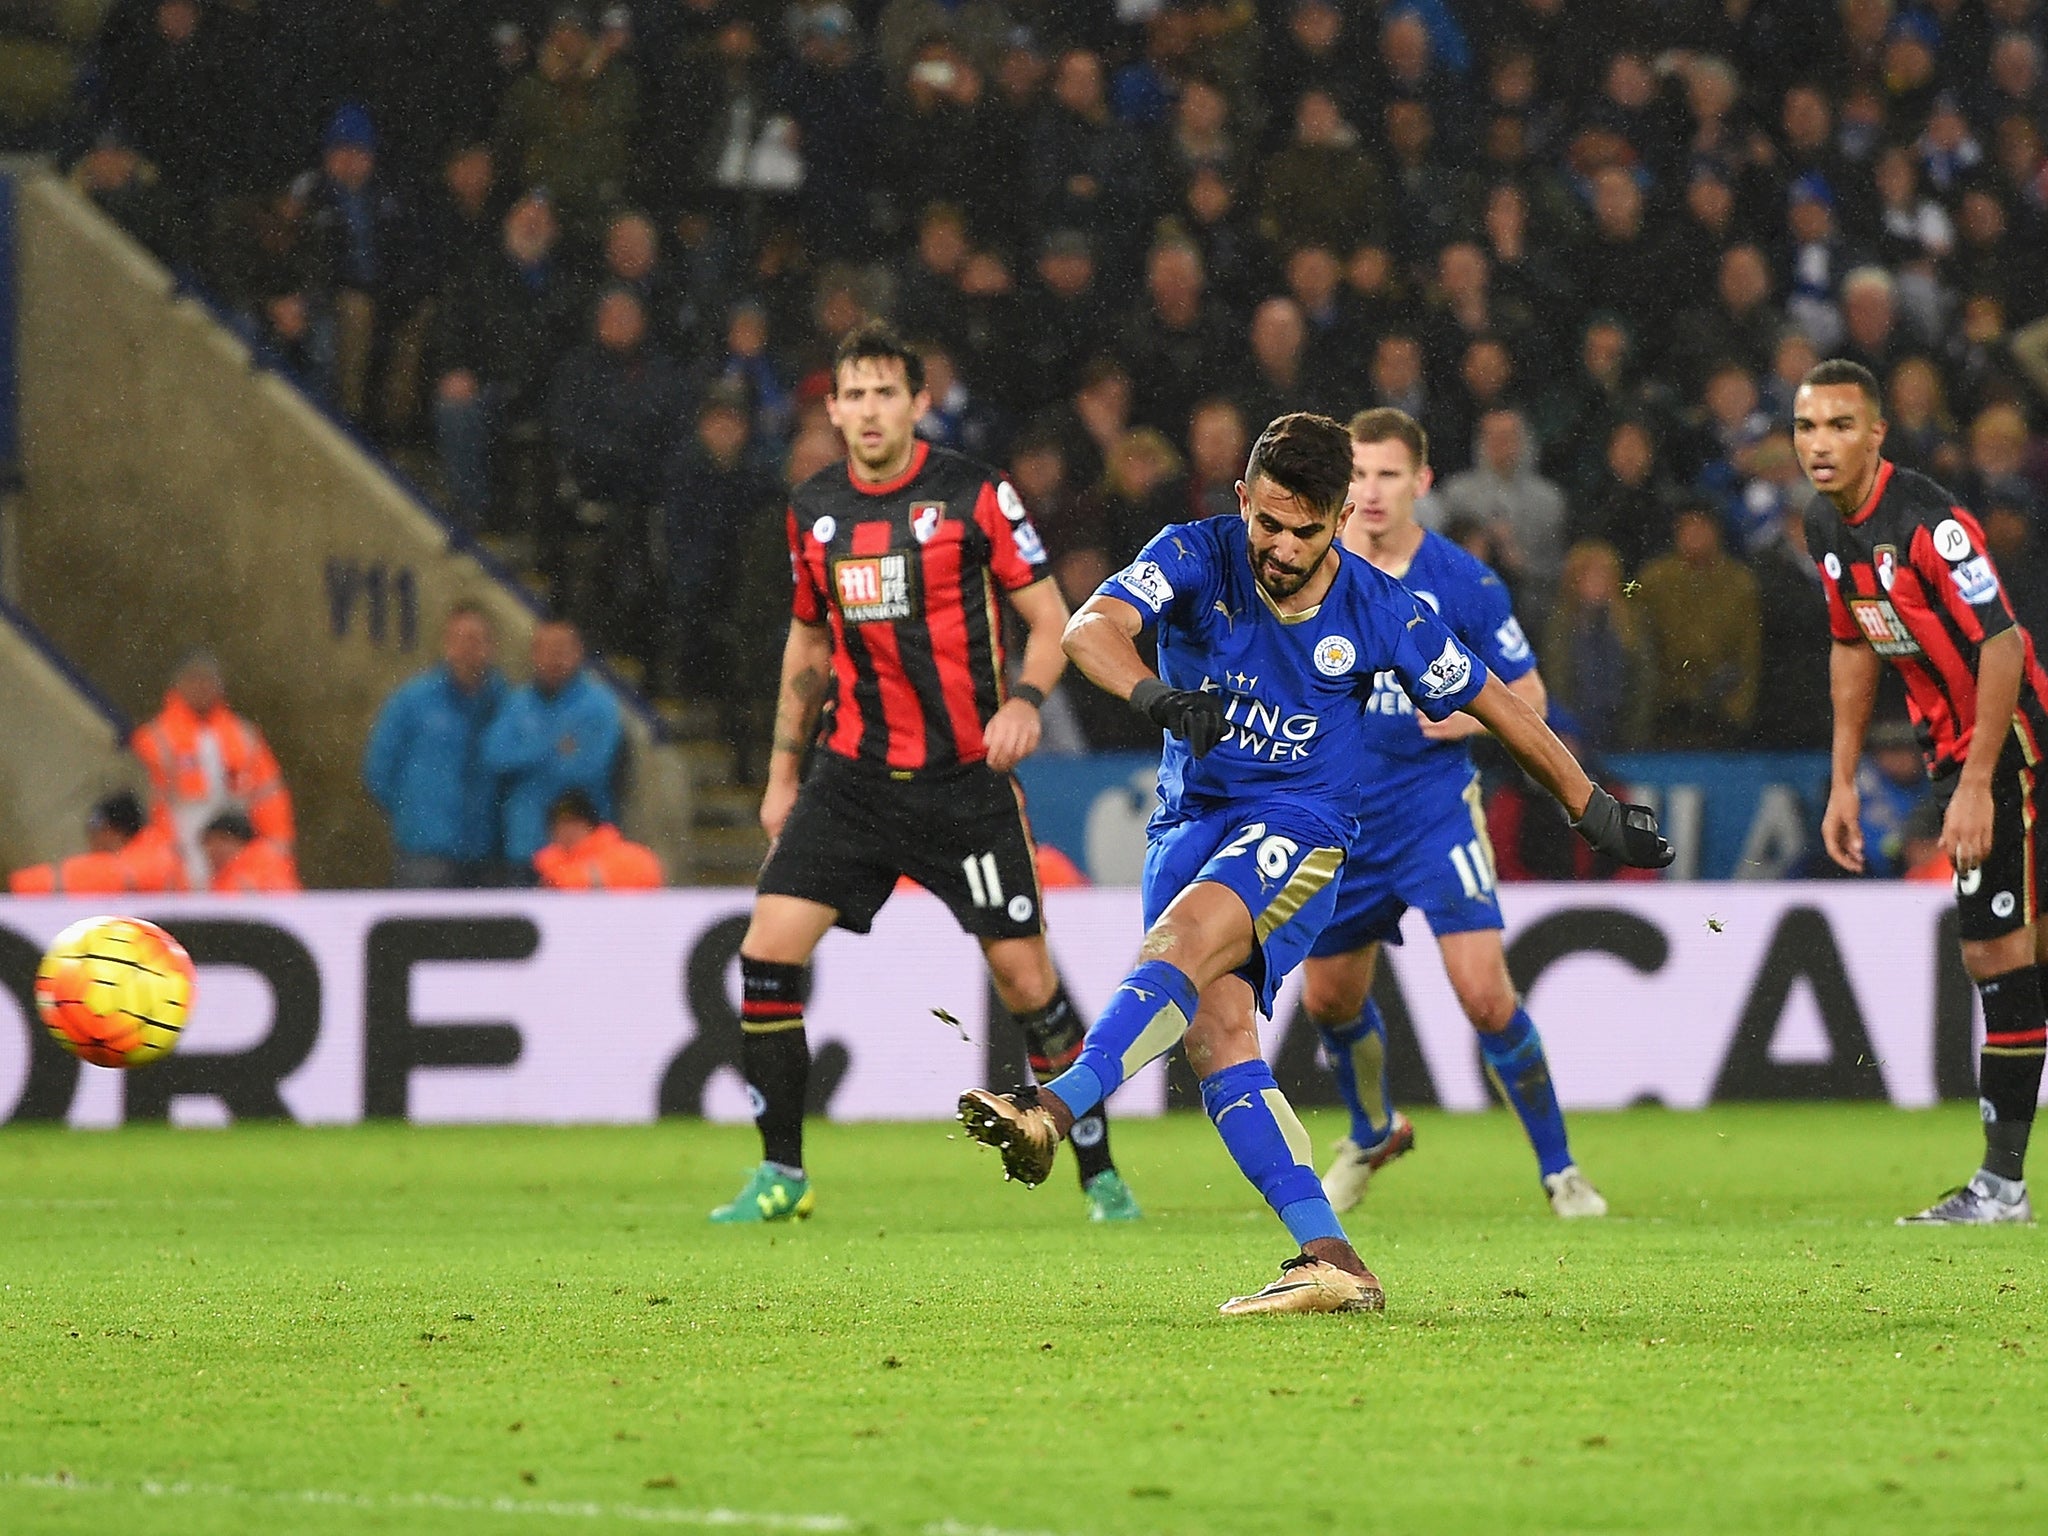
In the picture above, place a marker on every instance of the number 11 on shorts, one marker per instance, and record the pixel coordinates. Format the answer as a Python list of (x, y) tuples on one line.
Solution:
[(1474, 867), (983, 884)]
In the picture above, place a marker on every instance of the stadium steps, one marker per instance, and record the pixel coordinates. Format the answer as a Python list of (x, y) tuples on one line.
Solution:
[(177, 494), (65, 746), (726, 841)]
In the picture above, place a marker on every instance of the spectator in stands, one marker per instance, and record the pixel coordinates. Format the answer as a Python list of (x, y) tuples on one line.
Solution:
[(1870, 311), (123, 853), (1063, 313), (1275, 381), (1217, 443), (1817, 261), (959, 418), (204, 759), (241, 863), (1089, 172), (1625, 273), (1793, 711), (835, 95), (584, 852), (1038, 468), (497, 334), (130, 190), (561, 731), (1920, 433), (1707, 635), (1177, 345), (368, 239), (1434, 200), (1322, 189), (567, 124), (1522, 511), (1596, 652), (1915, 236), (461, 217), (1739, 325), (612, 409), (714, 491), (424, 762), (1892, 781), (1095, 418), (1143, 489), (1627, 506)]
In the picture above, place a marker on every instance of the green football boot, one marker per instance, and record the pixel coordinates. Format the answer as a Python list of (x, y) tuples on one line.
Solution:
[(1110, 1198), (769, 1196)]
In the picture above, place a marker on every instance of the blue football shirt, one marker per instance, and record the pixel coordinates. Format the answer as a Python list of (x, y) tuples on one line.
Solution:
[(1473, 603), (1295, 688)]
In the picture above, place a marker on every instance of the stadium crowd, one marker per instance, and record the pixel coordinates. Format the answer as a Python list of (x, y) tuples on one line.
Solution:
[(584, 267)]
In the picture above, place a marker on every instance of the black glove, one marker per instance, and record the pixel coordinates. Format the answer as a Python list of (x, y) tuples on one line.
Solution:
[(1195, 717), (1626, 834)]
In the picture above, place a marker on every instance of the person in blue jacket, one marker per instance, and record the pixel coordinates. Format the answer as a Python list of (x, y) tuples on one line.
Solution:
[(557, 733), (424, 764)]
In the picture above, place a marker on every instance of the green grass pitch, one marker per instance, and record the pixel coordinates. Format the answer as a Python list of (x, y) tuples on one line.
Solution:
[(273, 1329)]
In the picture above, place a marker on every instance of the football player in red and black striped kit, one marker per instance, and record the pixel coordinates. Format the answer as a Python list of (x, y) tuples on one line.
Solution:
[(902, 558), (1909, 581)]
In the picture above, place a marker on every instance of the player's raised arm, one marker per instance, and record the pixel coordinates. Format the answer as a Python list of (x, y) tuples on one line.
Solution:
[(1625, 833), (1013, 730), (806, 668), (1101, 640)]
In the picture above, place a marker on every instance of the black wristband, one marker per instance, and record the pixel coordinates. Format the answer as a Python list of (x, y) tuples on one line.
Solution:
[(1035, 697), (1145, 692)]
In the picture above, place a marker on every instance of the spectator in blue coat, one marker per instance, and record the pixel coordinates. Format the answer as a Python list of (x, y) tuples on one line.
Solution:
[(425, 765), (559, 732)]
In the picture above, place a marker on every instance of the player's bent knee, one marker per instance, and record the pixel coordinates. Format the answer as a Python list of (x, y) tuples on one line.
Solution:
[(785, 930), (1328, 997), (1985, 958)]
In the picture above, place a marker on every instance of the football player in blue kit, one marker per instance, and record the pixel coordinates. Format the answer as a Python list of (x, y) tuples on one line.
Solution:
[(1422, 842), (1270, 636)]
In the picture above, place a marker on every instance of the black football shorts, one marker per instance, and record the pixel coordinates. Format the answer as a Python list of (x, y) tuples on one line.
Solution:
[(2002, 894), (959, 833)]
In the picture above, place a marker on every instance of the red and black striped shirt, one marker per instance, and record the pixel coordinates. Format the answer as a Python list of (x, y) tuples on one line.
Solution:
[(908, 574), (1909, 576)]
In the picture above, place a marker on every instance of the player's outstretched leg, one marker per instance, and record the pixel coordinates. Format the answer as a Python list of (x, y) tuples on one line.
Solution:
[(1515, 1061), (1148, 1013), (776, 1058), (2009, 1085), (1357, 1054), (1271, 1149), (1053, 1036)]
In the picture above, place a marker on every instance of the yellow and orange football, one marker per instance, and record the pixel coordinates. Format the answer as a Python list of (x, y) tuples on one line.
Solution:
[(115, 991)]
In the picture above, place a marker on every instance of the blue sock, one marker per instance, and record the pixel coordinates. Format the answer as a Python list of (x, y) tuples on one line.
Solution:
[(1357, 1054), (1514, 1059), (1145, 1019), (1270, 1147)]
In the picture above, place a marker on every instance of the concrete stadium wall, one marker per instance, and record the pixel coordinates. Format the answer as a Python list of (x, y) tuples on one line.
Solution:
[(176, 496), (62, 749)]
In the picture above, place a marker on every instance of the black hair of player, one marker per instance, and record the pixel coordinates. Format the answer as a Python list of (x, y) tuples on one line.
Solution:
[(1842, 370), (874, 341), (1385, 424), (575, 805), (1306, 455)]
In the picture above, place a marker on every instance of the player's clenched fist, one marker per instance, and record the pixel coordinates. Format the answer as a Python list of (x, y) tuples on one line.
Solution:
[(1195, 717), (1625, 833)]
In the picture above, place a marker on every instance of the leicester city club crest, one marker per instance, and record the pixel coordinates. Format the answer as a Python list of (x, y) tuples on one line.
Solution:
[(1335, 656)]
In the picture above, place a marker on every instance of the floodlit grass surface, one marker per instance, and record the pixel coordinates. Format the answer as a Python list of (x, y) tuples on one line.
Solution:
[(272, 1329)]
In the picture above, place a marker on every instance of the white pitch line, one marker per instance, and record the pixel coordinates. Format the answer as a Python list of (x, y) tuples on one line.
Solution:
[(649, 1514)]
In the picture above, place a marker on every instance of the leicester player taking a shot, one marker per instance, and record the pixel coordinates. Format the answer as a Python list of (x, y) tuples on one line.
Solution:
[(1269, 638), (1908, 582), (900, 555), (1422, 842)]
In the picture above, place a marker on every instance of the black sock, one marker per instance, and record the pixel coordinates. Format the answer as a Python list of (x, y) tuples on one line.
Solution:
[(1052, 1039), (774, 1054), (2009, 1069)]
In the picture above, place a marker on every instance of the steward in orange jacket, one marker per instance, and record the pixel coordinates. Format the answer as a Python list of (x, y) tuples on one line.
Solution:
[(203, 759), (242, 862), (586, 853), (124, 856)]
